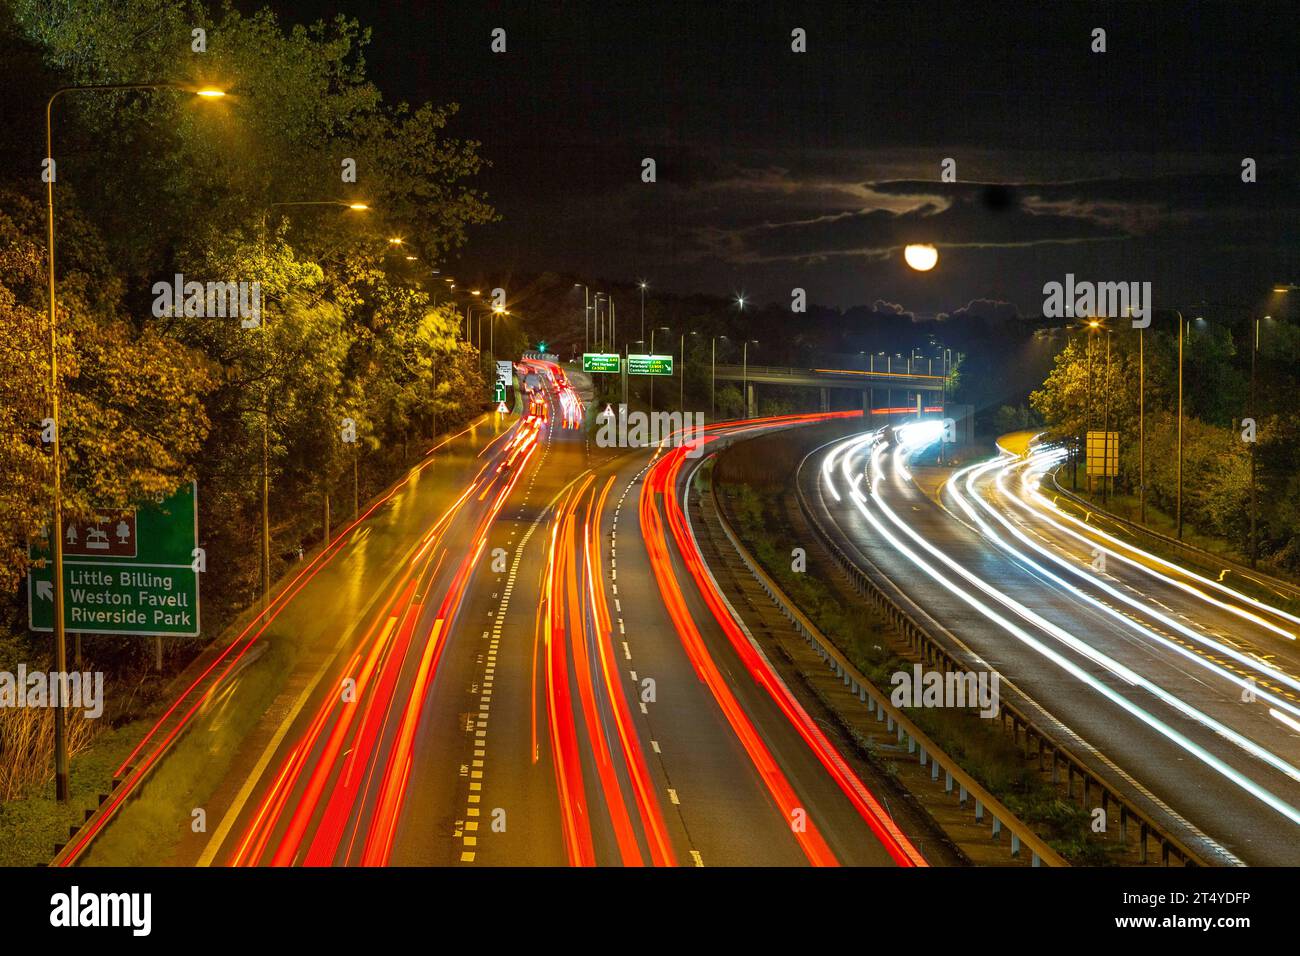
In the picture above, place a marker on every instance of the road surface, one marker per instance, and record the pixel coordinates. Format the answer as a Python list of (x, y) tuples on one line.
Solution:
[(516, 660), (1181, 691)]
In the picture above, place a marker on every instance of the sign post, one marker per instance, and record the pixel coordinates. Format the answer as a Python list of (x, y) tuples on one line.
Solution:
[(124, 572)]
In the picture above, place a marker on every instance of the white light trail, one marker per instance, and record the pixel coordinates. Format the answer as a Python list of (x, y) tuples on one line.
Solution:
[(853, 445)]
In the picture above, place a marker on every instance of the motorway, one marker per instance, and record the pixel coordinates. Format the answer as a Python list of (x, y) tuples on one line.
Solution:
[(516, 658), (1182, 692)]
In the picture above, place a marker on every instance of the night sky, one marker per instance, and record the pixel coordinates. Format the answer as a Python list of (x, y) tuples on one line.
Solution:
[(778, 169)]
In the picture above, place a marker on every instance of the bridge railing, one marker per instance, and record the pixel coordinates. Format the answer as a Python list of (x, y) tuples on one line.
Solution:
[(867, 374)]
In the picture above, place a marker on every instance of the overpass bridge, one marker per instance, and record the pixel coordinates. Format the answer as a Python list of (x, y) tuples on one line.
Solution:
[(882, 392)]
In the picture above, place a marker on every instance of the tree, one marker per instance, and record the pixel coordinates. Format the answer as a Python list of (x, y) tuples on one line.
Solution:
[(132, 400)]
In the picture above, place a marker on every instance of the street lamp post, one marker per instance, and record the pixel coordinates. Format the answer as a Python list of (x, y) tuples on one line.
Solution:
[(1280, 289), (1142, 426), (681, 400), (713, 379), (651, 377), (1088, 416), (642, 284), (1105, 425), (470, 336), (1254, 414), (681, 374), (1179, 498), (492, 329), (60, 635), (266, 395), (744, 375), (662, 328)]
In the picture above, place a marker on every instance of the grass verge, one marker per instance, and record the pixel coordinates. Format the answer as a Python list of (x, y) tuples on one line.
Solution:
[(979, 746)]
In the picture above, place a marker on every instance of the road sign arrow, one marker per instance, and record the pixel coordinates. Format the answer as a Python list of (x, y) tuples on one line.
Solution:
[(45, 590)]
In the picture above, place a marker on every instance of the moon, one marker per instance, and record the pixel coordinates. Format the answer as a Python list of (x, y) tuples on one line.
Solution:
[(922, 258)]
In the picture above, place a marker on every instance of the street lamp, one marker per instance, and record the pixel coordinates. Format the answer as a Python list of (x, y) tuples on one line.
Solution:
[(470, 309), (681, 398), (1180, 415), (1105, 423), (713, 379), (642, 284), (266, 404), (613, 324), (1279, 289), (595, 321), (1179, 498), (662, 328), (492, 328), (1254, 414), (744, 374), (60, 635), (1142, 423)]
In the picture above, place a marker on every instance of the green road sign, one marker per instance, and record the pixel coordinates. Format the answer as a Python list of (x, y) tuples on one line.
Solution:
[(124, 572), (649, 365), (499, 392), (600, 362)]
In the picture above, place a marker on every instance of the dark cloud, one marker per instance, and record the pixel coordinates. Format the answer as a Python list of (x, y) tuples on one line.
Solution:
[(984, 311), (778, 170), (892, 308)]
